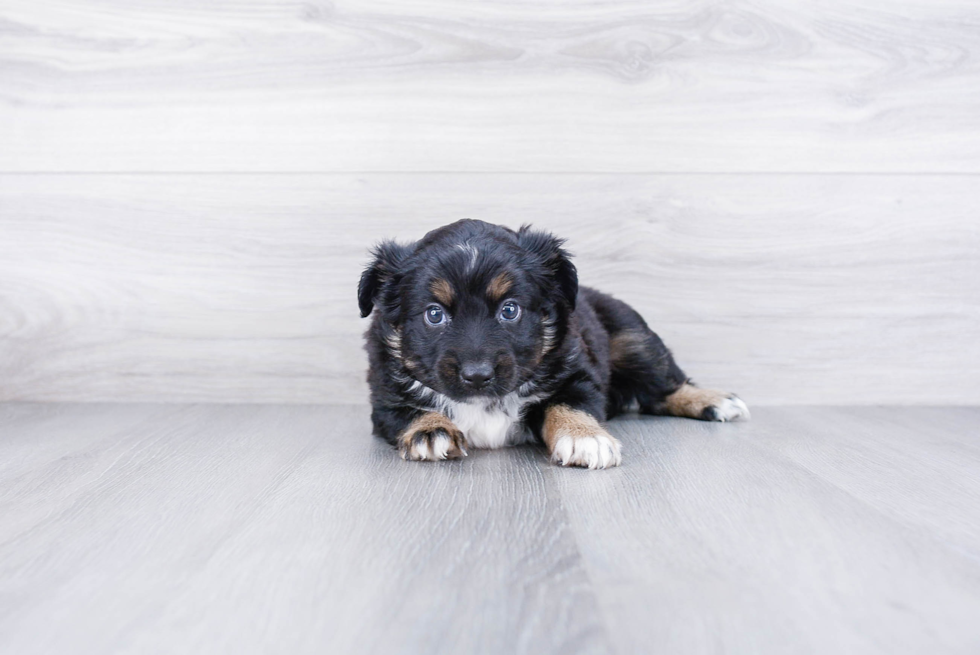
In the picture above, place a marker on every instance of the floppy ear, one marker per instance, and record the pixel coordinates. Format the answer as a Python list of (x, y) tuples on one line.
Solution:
[(388, 257), (556, 259)]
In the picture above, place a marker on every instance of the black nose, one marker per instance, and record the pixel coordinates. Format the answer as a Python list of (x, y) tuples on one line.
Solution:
[(476, 375)]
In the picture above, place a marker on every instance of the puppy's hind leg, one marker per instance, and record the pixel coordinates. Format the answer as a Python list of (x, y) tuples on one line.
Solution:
[(704, 404), (643, 371)]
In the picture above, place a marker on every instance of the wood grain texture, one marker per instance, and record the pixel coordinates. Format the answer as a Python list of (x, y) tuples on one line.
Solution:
[(239, 288), (133, 528), (798, 532), (257, 529), (885, 459), (692, 85)]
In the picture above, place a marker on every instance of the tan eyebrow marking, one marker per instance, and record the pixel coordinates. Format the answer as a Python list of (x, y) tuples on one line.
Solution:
[(442, 291), (499, 286)]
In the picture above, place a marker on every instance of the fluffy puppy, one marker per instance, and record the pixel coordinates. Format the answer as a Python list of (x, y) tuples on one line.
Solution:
[(482, 337)]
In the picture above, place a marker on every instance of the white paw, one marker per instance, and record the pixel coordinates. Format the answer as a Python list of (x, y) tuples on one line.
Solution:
[(730, 408), (597, 451)]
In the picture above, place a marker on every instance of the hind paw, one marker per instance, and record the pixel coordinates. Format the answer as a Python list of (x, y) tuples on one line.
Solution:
[(706, 404), (729, 408)]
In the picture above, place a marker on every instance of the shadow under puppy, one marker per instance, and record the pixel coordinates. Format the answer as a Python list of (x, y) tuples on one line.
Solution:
[(482, 338)]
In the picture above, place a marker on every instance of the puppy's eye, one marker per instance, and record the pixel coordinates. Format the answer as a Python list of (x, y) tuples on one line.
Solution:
[(510, 311), (434, 315)]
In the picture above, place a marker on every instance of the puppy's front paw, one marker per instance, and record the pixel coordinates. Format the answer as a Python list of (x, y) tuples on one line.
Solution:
[(705, 404), (575, 438), (597, 451), (432, 436)]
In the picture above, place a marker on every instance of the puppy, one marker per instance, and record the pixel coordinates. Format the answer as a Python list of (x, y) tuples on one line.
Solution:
[(482, 338)]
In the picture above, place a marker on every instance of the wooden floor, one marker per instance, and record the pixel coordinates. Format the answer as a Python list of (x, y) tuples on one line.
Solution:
[(247, 529)]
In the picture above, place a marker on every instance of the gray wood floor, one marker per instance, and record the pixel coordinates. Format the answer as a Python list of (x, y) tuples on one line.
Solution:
[(248, 529)]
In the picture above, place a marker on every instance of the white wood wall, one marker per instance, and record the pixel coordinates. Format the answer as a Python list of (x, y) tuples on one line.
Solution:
[(789, 191)]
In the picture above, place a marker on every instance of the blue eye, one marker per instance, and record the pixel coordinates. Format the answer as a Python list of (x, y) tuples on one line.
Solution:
[(434, 315), (510, 311)]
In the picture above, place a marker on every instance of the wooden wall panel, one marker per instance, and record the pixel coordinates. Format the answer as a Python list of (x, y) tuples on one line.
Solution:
[(241, 288), (187, 190), (537, 86)]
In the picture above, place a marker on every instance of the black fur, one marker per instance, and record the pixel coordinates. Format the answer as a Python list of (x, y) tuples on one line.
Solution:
[(573, 366)]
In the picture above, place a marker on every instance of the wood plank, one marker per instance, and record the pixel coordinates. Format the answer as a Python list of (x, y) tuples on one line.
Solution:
[(256, 529), (577, 86), (241, 288), (707, 541), (246, 529), (898, 462), (49, 453)]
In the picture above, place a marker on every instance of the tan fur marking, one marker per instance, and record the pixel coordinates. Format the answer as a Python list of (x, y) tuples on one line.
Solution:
[(499, 286), (627, 344), (429, 424), (442, 291), (691, 401), (563, 421)]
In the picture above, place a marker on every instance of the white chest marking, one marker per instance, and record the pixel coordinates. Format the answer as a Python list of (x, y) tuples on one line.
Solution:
[(490, 426), (486, 422)]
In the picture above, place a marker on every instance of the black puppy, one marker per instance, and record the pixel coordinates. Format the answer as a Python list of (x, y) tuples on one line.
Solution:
[(483, 338)]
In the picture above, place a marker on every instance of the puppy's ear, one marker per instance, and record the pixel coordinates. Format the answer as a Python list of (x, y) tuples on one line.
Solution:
[(388, 257), (556, 259)]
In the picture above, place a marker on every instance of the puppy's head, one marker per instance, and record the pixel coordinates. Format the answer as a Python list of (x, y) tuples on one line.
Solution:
[(473, 308)]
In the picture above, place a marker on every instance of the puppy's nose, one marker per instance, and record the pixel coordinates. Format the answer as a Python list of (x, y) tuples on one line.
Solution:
[(477, 374)]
